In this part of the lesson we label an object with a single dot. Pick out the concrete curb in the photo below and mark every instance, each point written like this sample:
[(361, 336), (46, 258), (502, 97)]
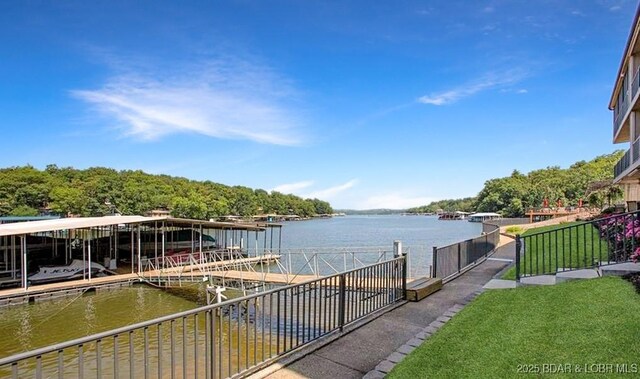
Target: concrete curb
[(385, 366)]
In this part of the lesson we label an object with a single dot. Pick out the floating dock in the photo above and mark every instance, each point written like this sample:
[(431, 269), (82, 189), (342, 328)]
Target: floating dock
[(52, 291), (545, 215), (55, 290)]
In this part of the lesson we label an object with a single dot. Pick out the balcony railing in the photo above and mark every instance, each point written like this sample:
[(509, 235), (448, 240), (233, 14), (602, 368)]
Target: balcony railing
[(622, 164), (622, 108), (618, 116)]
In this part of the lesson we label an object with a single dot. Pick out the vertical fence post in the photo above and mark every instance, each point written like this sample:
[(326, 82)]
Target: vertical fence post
[(341, 301), (212, 338), (404, 277), (397, 248), (434, 262), (397, 253), (459, 258), (486, 244), (518, 249)]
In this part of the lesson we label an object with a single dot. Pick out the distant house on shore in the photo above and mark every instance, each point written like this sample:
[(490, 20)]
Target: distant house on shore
[(159, 213), (625, 104)]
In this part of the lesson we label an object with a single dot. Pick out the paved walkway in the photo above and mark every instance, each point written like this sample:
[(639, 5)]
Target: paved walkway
[(360, 351)]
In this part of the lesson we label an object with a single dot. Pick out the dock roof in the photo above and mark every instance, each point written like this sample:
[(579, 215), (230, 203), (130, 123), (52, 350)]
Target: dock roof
[(51, 225), (209, 224), (28, 227), (485, 214)]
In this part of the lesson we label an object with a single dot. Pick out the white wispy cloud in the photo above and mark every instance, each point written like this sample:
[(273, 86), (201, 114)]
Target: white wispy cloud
[(293, 187), (487, 82), (219, 99), (331, 192)]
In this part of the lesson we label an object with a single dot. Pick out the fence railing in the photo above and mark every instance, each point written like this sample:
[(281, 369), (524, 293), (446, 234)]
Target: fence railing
[(231, 338), (600, 242), (320, 262), (331, 260), (289, 265), (454, 259), (622, 164)]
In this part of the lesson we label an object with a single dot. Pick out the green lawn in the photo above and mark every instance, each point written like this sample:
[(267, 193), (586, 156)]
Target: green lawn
[(560, 246), (577, 323)]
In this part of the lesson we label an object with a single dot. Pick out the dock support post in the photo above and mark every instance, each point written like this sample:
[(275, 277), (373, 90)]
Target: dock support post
[(84, 258), (139, 252), (14, 271), (201, 241), (88, 266), (271, 240), (131, 243), (163, 244), (155, 243), (23, 247)]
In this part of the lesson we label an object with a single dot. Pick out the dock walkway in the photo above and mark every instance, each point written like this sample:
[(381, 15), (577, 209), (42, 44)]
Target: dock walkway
[(50, 290), (250, 276), (236, 262), (41, 291)]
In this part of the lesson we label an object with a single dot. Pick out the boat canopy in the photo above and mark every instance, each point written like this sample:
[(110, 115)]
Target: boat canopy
[(29, 227), (486, 214)]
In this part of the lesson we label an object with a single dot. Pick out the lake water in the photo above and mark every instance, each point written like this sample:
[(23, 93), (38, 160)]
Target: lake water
[(418, 234), (26, 327), (30, 326), (376, 231)]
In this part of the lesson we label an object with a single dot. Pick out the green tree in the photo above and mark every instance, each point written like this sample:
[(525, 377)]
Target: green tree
[(67, 199), (95, 191)]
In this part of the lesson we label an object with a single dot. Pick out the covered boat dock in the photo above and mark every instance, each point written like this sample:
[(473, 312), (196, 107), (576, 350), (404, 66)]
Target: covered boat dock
[(123, 244), (484, 216)]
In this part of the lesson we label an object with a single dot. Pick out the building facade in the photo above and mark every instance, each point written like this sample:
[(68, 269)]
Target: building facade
[(625, 104)]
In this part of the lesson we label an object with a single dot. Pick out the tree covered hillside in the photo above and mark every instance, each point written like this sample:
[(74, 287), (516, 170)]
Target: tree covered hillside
[(24, 191), (515, 194)]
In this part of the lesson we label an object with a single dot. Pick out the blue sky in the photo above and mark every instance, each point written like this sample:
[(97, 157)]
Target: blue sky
[(365, 104)]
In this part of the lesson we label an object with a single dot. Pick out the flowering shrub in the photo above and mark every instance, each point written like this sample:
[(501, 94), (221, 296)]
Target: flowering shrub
[(635, 279), (623, 235)]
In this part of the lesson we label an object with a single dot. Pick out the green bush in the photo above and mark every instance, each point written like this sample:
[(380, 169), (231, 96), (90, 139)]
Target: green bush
[(515, 230)]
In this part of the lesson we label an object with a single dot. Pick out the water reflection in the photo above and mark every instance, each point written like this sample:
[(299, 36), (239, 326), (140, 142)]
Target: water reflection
[(31, 326)]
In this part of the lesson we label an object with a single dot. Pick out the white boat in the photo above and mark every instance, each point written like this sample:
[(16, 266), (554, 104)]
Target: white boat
[(481, 217), (76, 270), (174, 240)]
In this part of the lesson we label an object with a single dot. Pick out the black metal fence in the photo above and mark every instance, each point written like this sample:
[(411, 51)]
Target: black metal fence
[(600, 242), (451, 260), (227, 339)]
